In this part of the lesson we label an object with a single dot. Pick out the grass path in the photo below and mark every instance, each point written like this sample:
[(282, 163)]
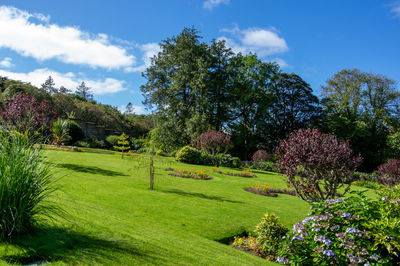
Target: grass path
[(112, 217)]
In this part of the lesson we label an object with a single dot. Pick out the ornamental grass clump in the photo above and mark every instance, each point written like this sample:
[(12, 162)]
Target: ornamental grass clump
[(317, 165), (25, 184)]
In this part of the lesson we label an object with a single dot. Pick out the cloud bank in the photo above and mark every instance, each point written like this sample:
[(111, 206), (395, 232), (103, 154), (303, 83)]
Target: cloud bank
[(32, 35)]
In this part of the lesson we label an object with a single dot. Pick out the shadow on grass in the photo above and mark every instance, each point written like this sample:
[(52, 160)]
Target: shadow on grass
[(90, 169), (241, 232), (51, 244), (200, 195)]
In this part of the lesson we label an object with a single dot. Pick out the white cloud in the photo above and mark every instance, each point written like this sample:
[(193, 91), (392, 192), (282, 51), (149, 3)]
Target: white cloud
[(280, 62), (264, 42), (149, 50), (395, 8), (44, 41), (6, 62), (210, 4), (137, 109), (68, 80)]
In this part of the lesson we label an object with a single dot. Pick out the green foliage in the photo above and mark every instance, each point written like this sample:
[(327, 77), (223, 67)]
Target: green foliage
[(361, 107), (112, 140), (236, 162), (393, 142), (265, 166), (347, 231), (122, 144), (269, 234), (60, 132), (90, 142), (74, 131), (188, 155), (25, 184), (160, 152)]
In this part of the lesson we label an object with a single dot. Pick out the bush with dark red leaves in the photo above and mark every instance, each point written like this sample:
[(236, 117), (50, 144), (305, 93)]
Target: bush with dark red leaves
[(260, 156), (317, 165), (213, 142), (24, 113), (389, 173)]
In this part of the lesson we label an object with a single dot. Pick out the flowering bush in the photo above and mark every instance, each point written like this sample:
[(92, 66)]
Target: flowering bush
[(389, 173), (213, 142), (317, 165), (347, 231), (260, 156)]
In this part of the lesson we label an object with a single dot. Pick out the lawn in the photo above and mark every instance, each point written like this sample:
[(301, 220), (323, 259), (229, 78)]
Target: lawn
[(113, 218)]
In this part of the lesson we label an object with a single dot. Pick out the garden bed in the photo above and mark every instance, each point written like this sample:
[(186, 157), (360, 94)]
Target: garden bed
[(265, 190), (197, 174)]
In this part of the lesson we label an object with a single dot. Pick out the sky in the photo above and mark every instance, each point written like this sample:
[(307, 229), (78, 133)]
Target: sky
[(107, 44)]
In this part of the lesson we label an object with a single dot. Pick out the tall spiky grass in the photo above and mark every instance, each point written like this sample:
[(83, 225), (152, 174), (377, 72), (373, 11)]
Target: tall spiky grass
[(25, 184)]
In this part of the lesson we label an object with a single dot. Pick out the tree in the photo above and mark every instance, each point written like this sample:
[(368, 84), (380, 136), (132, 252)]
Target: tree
[(293, 106), (249, 82), (317, 165), (49, 86), (176, 87), (84, 91), (64, 90), (361, 107), (129, 108), (122, 144)]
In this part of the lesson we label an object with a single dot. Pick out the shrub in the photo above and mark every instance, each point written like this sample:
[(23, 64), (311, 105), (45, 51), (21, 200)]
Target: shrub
[(188, 155), (389, 173), (317, 165), (139, 144), (260, 156), (236, 162), (265, 166), (28, 115), (112, 140), (206, 159), (269, 234), (224, 159), (25, 184), (347, 231), (213, 142), (160, 152), (74, 131)]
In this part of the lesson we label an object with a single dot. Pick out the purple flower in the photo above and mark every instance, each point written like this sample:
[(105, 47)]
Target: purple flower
[(333, 228), (297, 238), (329, 253), (282, 260), (307, 219), (327, 241), (346, 215), (333, 201), (352, 230), (385, 198), (375, 257), (319, 238)]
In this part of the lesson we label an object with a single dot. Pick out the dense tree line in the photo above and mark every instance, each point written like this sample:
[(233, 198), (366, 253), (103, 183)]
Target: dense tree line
[(78, 105), (194, 87)]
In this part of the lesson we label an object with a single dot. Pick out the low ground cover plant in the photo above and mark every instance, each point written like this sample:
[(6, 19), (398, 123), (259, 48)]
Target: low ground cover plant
[(25, 184)]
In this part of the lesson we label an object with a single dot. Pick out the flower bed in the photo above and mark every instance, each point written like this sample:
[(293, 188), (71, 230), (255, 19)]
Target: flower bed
[(244, 173), (268, 191), (196, 174)]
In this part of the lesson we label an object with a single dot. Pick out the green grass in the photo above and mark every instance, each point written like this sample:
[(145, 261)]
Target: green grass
[(113, 218)]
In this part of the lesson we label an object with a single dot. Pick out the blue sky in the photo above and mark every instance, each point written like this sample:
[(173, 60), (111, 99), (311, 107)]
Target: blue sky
[(107, 43)]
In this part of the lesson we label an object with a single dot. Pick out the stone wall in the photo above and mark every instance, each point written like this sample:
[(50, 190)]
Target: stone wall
[(92, 129)]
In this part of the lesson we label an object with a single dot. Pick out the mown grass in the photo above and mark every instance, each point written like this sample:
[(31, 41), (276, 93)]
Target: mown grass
[(113, 218)]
